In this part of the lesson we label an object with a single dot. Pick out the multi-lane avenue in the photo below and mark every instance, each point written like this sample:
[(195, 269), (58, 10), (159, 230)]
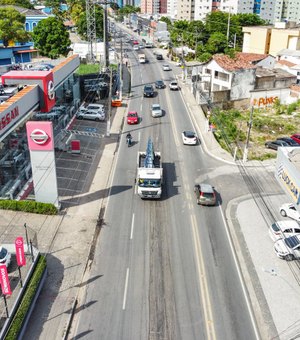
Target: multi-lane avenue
[(165, 268)]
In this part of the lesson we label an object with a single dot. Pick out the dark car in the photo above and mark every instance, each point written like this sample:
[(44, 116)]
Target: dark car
[(289, 140), (148, 91), (296, 137), (159, 84), (159, 56), (275, 144)]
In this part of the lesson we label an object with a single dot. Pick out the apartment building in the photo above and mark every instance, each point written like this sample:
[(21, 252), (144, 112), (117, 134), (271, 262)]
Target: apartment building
[(150, 6), (270, 40)]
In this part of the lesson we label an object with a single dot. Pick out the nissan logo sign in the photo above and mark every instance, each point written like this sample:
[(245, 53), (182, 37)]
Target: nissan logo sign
[(39, 136), (51, 92)]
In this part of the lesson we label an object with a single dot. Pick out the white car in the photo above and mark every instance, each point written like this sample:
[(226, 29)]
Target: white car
[(289, 210), (156, 111), (5, 256), (136, 47), (173, 85), (94, 107), (166, 67), (283, 229), (91, 115), (288, 248), (189, 138)]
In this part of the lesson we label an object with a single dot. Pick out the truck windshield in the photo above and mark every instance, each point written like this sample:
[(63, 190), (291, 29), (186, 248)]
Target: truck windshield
[(149, 183)]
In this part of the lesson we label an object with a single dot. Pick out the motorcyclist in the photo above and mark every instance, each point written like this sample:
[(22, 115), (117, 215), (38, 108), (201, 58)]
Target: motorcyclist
[(128, 138)]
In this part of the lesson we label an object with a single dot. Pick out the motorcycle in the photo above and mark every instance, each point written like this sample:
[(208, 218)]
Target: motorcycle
[(129, 141)]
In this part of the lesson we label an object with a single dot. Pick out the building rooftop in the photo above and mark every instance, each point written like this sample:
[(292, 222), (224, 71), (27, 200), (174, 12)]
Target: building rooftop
[(289, 52), (26, 11), (275, 72), (241, 60), (285, 63)]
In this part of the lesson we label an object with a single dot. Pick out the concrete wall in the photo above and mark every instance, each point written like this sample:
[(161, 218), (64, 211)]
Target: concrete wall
[(284, 38), (256, 39), (243, 82)]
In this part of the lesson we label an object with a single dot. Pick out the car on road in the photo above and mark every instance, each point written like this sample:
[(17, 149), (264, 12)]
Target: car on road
[(156, 111), (189, 138), (159, 84), (275, 144), (159, 56), (173, 85), (283, 229), (132, 117), (148, 45), (289, 210), (135, 42), (136, 47), (289, 140), (5, 256), (288, 248), (205, 194), (296, 137), (148, 91), (166, 67)]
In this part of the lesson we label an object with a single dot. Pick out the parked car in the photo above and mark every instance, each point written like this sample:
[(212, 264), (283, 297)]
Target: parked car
[(156, 111), (283, 229), (275, 144), (148, 91), (289, 210), (205, 194), (5, 256), (289, 140), (174, 85), (288, 248), (92, 107), (91, 115), (166, 67), (189, 138), (132, 117), (159, 84), (296, 137)]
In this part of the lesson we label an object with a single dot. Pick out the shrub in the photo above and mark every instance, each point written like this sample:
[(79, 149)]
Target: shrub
[(28, 296), (29, 206)]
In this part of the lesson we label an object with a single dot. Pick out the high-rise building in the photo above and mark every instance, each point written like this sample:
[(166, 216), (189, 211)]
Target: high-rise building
[(150, 6), (186, 10)]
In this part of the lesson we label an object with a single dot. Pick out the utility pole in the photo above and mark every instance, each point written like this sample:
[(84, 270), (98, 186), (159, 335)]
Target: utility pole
[(228, 24), (105, 37), (245, 156), (109, 104), (121, 71), (91, 29)]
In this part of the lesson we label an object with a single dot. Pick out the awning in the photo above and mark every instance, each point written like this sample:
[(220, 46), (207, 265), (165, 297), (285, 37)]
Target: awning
[(24, 51)]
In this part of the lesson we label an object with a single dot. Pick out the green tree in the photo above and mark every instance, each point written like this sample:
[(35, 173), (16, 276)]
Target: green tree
[(82, 25), (21, 3), (12, 25), (167, 21), (51, 38), (216, 43)]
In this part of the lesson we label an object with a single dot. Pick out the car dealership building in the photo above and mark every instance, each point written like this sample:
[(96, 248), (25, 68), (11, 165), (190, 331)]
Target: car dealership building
[(48, 100)]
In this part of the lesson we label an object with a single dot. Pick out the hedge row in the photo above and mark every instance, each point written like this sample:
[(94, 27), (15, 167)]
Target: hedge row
[(29, 206), (28, 297)]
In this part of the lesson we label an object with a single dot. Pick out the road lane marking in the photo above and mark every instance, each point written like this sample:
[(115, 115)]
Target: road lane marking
[(125, 289), (204, 291), (132, 226), (240, 275)]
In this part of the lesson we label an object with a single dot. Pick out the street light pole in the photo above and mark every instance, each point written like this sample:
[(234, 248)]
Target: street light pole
[(109, 105), (105, 40), (245, 156), (121, 71)]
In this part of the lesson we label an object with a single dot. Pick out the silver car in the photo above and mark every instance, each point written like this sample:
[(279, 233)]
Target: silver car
[(91, 115), (156, 111)]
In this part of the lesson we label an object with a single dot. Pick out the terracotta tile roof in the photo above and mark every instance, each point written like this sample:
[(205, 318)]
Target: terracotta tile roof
[(241, 61), (295, 87), (286, 63)]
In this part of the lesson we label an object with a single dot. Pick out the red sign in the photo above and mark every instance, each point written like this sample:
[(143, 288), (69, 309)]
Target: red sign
[(10, 116), (20, 255), (4, 280)]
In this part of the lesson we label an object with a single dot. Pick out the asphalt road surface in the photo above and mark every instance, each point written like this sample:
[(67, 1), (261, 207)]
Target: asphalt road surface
[(165, 269)]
